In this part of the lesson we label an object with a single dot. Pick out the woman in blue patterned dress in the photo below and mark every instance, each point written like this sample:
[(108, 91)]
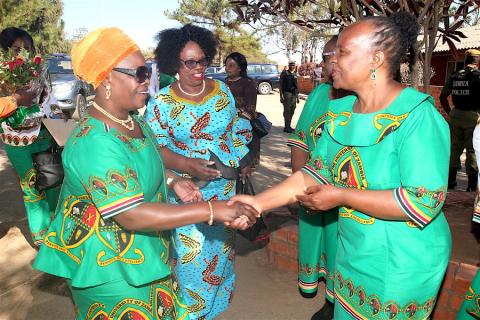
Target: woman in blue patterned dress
[(195, 121)]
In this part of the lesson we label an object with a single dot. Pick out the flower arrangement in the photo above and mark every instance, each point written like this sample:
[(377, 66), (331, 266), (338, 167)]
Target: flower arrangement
[(27, 72), (17, 70)]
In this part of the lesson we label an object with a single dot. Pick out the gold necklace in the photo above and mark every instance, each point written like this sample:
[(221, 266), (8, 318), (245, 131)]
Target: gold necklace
[(129, 123), (192, 94)]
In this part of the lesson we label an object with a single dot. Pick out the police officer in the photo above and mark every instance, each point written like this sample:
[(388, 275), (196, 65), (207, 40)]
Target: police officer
[(289, 94), (464, 86)]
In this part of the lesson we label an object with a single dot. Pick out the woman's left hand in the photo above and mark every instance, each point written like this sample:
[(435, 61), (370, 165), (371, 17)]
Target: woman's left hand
[(186, 190), (321, 197)]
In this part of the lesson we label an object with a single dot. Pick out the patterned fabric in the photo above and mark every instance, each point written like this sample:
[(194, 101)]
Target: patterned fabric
[(317, 237), (118, 300), (470, 308), (388, 269), (84, 244), (39, 206), (204, 256), (27, 136)]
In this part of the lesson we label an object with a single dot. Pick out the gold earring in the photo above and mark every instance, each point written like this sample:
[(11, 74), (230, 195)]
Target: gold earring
[(108, 92)]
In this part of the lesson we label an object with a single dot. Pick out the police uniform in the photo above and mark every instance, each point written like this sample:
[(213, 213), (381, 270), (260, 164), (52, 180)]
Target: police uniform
[(464, 86), (289, 89)]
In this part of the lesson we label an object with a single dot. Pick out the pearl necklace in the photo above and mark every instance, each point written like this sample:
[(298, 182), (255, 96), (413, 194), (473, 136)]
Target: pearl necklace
[(192, 94), (129, 123)]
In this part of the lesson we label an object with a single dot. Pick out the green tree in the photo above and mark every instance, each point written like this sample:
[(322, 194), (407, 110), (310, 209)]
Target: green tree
[(218, 16), (438, 19), (41, 18)]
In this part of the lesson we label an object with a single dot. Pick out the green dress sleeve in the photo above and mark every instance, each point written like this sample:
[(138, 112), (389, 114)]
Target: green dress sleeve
[(299, 138), (317, 167), (423, 145), (107, 175)]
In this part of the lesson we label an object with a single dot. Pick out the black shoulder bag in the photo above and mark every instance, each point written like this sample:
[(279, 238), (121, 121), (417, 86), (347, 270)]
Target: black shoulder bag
[(252, 233), (48, 165)]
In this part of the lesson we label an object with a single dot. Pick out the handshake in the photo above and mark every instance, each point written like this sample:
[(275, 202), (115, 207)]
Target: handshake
[(239, 212)]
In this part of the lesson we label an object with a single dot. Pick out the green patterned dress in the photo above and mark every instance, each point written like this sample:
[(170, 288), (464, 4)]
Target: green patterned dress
[(388, 269), (113, 273), (317, 236), (470, 308)]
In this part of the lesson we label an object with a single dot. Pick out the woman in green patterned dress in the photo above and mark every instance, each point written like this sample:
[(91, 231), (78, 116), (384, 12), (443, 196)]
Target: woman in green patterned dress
[(110, 236), (470, 308), (383, 160), (317, 233)]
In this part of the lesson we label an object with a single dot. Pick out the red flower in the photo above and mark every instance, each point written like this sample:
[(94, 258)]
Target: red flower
[(19, 61), (37, 60), (11, 65)]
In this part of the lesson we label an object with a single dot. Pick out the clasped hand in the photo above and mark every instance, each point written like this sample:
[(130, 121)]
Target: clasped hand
[(321, 197), (236, 215)]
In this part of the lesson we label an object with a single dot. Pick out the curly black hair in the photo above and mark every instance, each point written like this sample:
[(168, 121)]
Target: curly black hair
[(395, 35), (172, 41), (9, 35)]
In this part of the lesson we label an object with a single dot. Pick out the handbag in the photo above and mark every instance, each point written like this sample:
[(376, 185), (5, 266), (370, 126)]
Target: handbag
[(48, 165), (253, 233), (261, 126)]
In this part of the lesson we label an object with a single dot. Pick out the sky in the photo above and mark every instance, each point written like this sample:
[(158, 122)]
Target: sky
[(140, 19)]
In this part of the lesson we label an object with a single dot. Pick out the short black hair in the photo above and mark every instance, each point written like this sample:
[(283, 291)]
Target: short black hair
[(241, 61), (395, 35), (471, 59), (172, 41), (9, 35)]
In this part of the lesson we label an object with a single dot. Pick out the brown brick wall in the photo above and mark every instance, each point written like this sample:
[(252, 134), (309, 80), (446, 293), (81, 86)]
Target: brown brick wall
[(282, 254)]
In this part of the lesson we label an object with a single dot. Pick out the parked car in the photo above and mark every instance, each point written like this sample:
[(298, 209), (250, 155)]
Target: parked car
[(211, 70), (72, 94), (266, 76)]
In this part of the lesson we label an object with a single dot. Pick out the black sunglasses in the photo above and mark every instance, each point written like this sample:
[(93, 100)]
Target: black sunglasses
[(192, 64), (141, 74)]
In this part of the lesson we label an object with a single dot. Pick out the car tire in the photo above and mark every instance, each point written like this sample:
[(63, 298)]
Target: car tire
[(264, 88), (82, 107)]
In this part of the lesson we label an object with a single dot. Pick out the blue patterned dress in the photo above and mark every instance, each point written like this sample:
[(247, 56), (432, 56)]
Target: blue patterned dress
[(203, 254)]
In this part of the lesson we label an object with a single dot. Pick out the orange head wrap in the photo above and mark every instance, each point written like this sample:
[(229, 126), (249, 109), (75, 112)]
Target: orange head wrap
[(94, 57)]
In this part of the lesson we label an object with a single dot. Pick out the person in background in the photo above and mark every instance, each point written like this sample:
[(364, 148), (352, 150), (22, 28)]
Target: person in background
[(197, 127), (159, 80), (383, 161), (317, 236), (289, 94), (21, 144), (110, 236), (317, 74), (464, 86), (244, 91)]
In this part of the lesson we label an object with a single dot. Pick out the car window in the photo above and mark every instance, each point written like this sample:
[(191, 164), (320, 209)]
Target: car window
[(60, 66), (268, 68), (254, 68)]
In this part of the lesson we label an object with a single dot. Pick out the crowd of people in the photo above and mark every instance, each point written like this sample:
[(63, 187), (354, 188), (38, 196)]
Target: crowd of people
[(145, 219)]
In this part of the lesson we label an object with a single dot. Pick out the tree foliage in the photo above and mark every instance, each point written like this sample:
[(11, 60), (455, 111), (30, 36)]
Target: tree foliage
[(40, 18), (439, 19), (219, 17)]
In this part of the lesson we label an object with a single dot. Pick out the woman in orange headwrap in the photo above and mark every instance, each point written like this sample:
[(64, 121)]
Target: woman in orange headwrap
[(110, 236)]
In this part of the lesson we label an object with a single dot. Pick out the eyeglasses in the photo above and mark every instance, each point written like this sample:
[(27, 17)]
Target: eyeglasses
[(327, 55), (141, 74), (192, 64)]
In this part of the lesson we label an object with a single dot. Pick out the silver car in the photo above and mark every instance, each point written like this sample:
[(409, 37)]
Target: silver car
[(72, 94)]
